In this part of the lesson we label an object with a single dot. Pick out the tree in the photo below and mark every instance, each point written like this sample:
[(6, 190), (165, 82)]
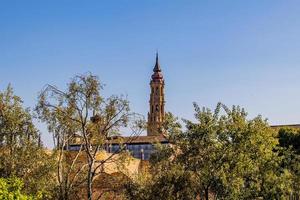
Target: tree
[(21, 152), (289, 141), (172, 183), (289, 137), (10, 189), (222, 154), (82, 112), (165, 180)]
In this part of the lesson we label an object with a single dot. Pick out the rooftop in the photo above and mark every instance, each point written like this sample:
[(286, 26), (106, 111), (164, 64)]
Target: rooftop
[(138, 139)]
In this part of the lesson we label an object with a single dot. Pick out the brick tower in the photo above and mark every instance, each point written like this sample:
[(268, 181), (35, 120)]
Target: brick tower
[(156, 115)]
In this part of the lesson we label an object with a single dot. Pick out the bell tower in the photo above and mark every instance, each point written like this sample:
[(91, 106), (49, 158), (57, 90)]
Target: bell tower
[(156, 115)]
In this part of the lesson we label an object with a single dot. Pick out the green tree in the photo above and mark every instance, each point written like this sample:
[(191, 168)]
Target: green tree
[(221, 154), (21, 151), (82, 112), (11, 189), (289, 137), (289, 140)]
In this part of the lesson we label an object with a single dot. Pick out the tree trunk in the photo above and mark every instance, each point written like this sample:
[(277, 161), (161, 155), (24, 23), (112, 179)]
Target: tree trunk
[(206, 193), (90, 181)]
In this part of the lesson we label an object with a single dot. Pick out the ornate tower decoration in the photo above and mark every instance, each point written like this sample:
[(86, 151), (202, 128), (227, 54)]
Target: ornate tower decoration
[(156, 115)]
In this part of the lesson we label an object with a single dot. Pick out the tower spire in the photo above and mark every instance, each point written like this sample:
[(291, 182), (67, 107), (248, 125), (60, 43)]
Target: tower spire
[(156, 115), (157, 75), (157, 66)]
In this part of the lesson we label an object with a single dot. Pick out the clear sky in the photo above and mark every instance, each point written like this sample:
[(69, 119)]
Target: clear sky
[(238, 52)]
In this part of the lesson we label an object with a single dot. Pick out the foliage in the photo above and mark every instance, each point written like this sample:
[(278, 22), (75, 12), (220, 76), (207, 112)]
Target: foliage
[(83, 115), (289, 137), (223, 154), (21, 153), (10, 189), (16, 125), (173, 184), (289, 140)]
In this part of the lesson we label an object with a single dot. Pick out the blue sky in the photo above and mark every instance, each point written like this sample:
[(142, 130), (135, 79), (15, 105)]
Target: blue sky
[(237, 52)]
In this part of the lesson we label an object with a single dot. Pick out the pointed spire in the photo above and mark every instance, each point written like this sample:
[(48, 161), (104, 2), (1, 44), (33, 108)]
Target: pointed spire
[(157, 66), (157, 75)]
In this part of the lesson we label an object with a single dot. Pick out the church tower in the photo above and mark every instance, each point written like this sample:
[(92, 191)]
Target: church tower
[(156, 115)]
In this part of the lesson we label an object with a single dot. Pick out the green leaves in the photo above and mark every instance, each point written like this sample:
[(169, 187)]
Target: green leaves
[(16, 127), (223, 154), (82, 114), (289, 137), (21, 153), (289, 141), (10, 189)]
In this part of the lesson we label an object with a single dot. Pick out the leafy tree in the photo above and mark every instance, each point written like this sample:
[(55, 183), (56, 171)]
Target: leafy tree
[(167, 180), (10, 189), (81, 113), (289, 140), (171, 184), (221, 154), (289, 137), (21, 152)]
